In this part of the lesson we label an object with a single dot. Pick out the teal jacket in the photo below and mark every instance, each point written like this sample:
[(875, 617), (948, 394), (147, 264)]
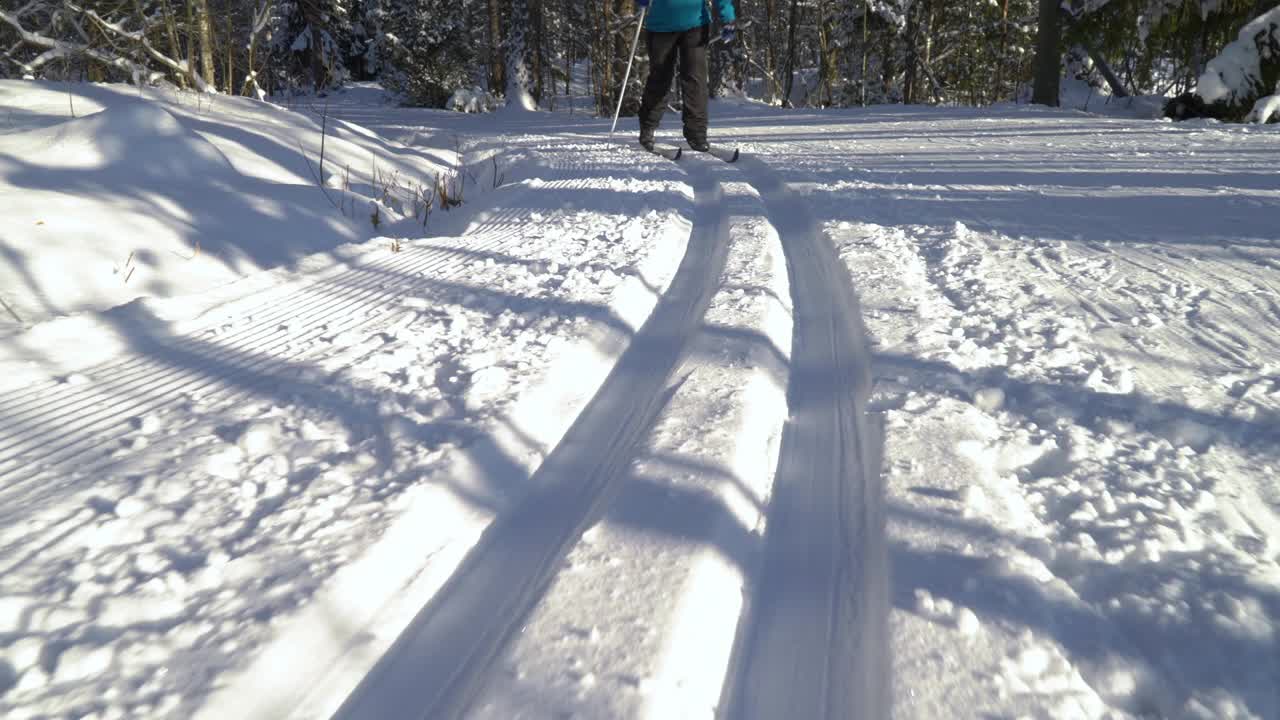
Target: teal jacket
[(680, 15)]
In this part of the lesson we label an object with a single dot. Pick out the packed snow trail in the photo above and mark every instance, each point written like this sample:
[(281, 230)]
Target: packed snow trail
[(1074, 330), (182, 509), (442, 658), (815, 638), (641, 618)]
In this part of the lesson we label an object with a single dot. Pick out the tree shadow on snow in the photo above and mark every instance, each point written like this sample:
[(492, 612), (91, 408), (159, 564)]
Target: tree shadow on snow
[(1174, 660)]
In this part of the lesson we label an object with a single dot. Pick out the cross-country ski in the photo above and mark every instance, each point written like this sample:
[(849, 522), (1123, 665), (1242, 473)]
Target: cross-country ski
[(729, 155), (667, 151), (686, 360)]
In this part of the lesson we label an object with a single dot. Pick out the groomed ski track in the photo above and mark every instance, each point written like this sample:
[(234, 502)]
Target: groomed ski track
[(814, 641), (812, 638), (485, 602), (236, 503)]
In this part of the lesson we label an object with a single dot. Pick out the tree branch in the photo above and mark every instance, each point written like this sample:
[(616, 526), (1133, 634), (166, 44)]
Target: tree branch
[(55, 48)]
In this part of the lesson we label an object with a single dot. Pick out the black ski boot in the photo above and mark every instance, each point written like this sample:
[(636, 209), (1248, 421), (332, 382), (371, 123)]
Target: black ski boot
[(646, 138), (699, 144)]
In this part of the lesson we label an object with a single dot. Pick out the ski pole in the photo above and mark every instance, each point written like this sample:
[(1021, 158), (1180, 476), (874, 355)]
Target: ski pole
[(627, 76)]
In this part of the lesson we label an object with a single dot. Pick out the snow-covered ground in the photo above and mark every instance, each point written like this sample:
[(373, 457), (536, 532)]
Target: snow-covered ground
[(601, 441), (1076, 328)]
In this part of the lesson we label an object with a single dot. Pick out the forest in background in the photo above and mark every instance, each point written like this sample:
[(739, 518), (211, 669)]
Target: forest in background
[(788, 52)]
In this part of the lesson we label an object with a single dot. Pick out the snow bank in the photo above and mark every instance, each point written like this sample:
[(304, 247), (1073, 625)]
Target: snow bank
[(1246, 69), (128, 202), (158, 194)]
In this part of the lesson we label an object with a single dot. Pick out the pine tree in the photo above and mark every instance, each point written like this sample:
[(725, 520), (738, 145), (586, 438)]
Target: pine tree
[(430, 50)]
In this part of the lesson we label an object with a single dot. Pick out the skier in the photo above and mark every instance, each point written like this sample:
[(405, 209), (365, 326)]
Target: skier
[(680, 27)]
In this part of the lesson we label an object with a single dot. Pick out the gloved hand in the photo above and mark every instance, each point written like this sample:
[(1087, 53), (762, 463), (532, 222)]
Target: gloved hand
[(728, 32), (642, 3)]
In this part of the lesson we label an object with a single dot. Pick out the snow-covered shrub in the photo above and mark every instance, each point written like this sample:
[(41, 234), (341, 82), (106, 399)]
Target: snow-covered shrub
[(1239, 82), (473, 100)]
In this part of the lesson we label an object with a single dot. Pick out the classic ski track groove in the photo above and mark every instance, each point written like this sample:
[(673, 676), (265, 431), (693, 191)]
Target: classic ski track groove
[(721, 392), (58, 423), (508, 571), (813, 641)]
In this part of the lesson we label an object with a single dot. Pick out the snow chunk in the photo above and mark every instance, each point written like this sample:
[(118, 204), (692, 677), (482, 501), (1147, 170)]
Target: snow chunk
[(1032, 661), (81, 662), (136, 609), (937, 609), (989, 399), (975, 501), (13, 611), (33, 679), (130, 507), (25, 653), (1042, 670), (1216, 705), (967, 622), (259, 438), (225, 463), (924, 602), (486, 385)]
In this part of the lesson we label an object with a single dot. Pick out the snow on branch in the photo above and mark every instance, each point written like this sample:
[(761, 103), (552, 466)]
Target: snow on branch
[(1237, 72), (57, 48), (140, 37), (1247, 72), (1241, 84)]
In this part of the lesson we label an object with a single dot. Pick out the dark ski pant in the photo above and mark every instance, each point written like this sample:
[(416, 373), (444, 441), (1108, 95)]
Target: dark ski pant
[(691, 47)]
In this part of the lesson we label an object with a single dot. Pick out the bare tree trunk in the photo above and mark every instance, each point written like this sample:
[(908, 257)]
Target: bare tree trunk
[(317, 58), (866, 48), (571, 49), (171, 30), (497, 59), (1004, 44), (231, 59), (888, 65), (826, 54), (606, 56), (912, 61), (935, 90), (621, 46), (793, 23), (595, 52), (771, 49), (537, 44), (205, 30), (1048, 59), (191, 43)]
